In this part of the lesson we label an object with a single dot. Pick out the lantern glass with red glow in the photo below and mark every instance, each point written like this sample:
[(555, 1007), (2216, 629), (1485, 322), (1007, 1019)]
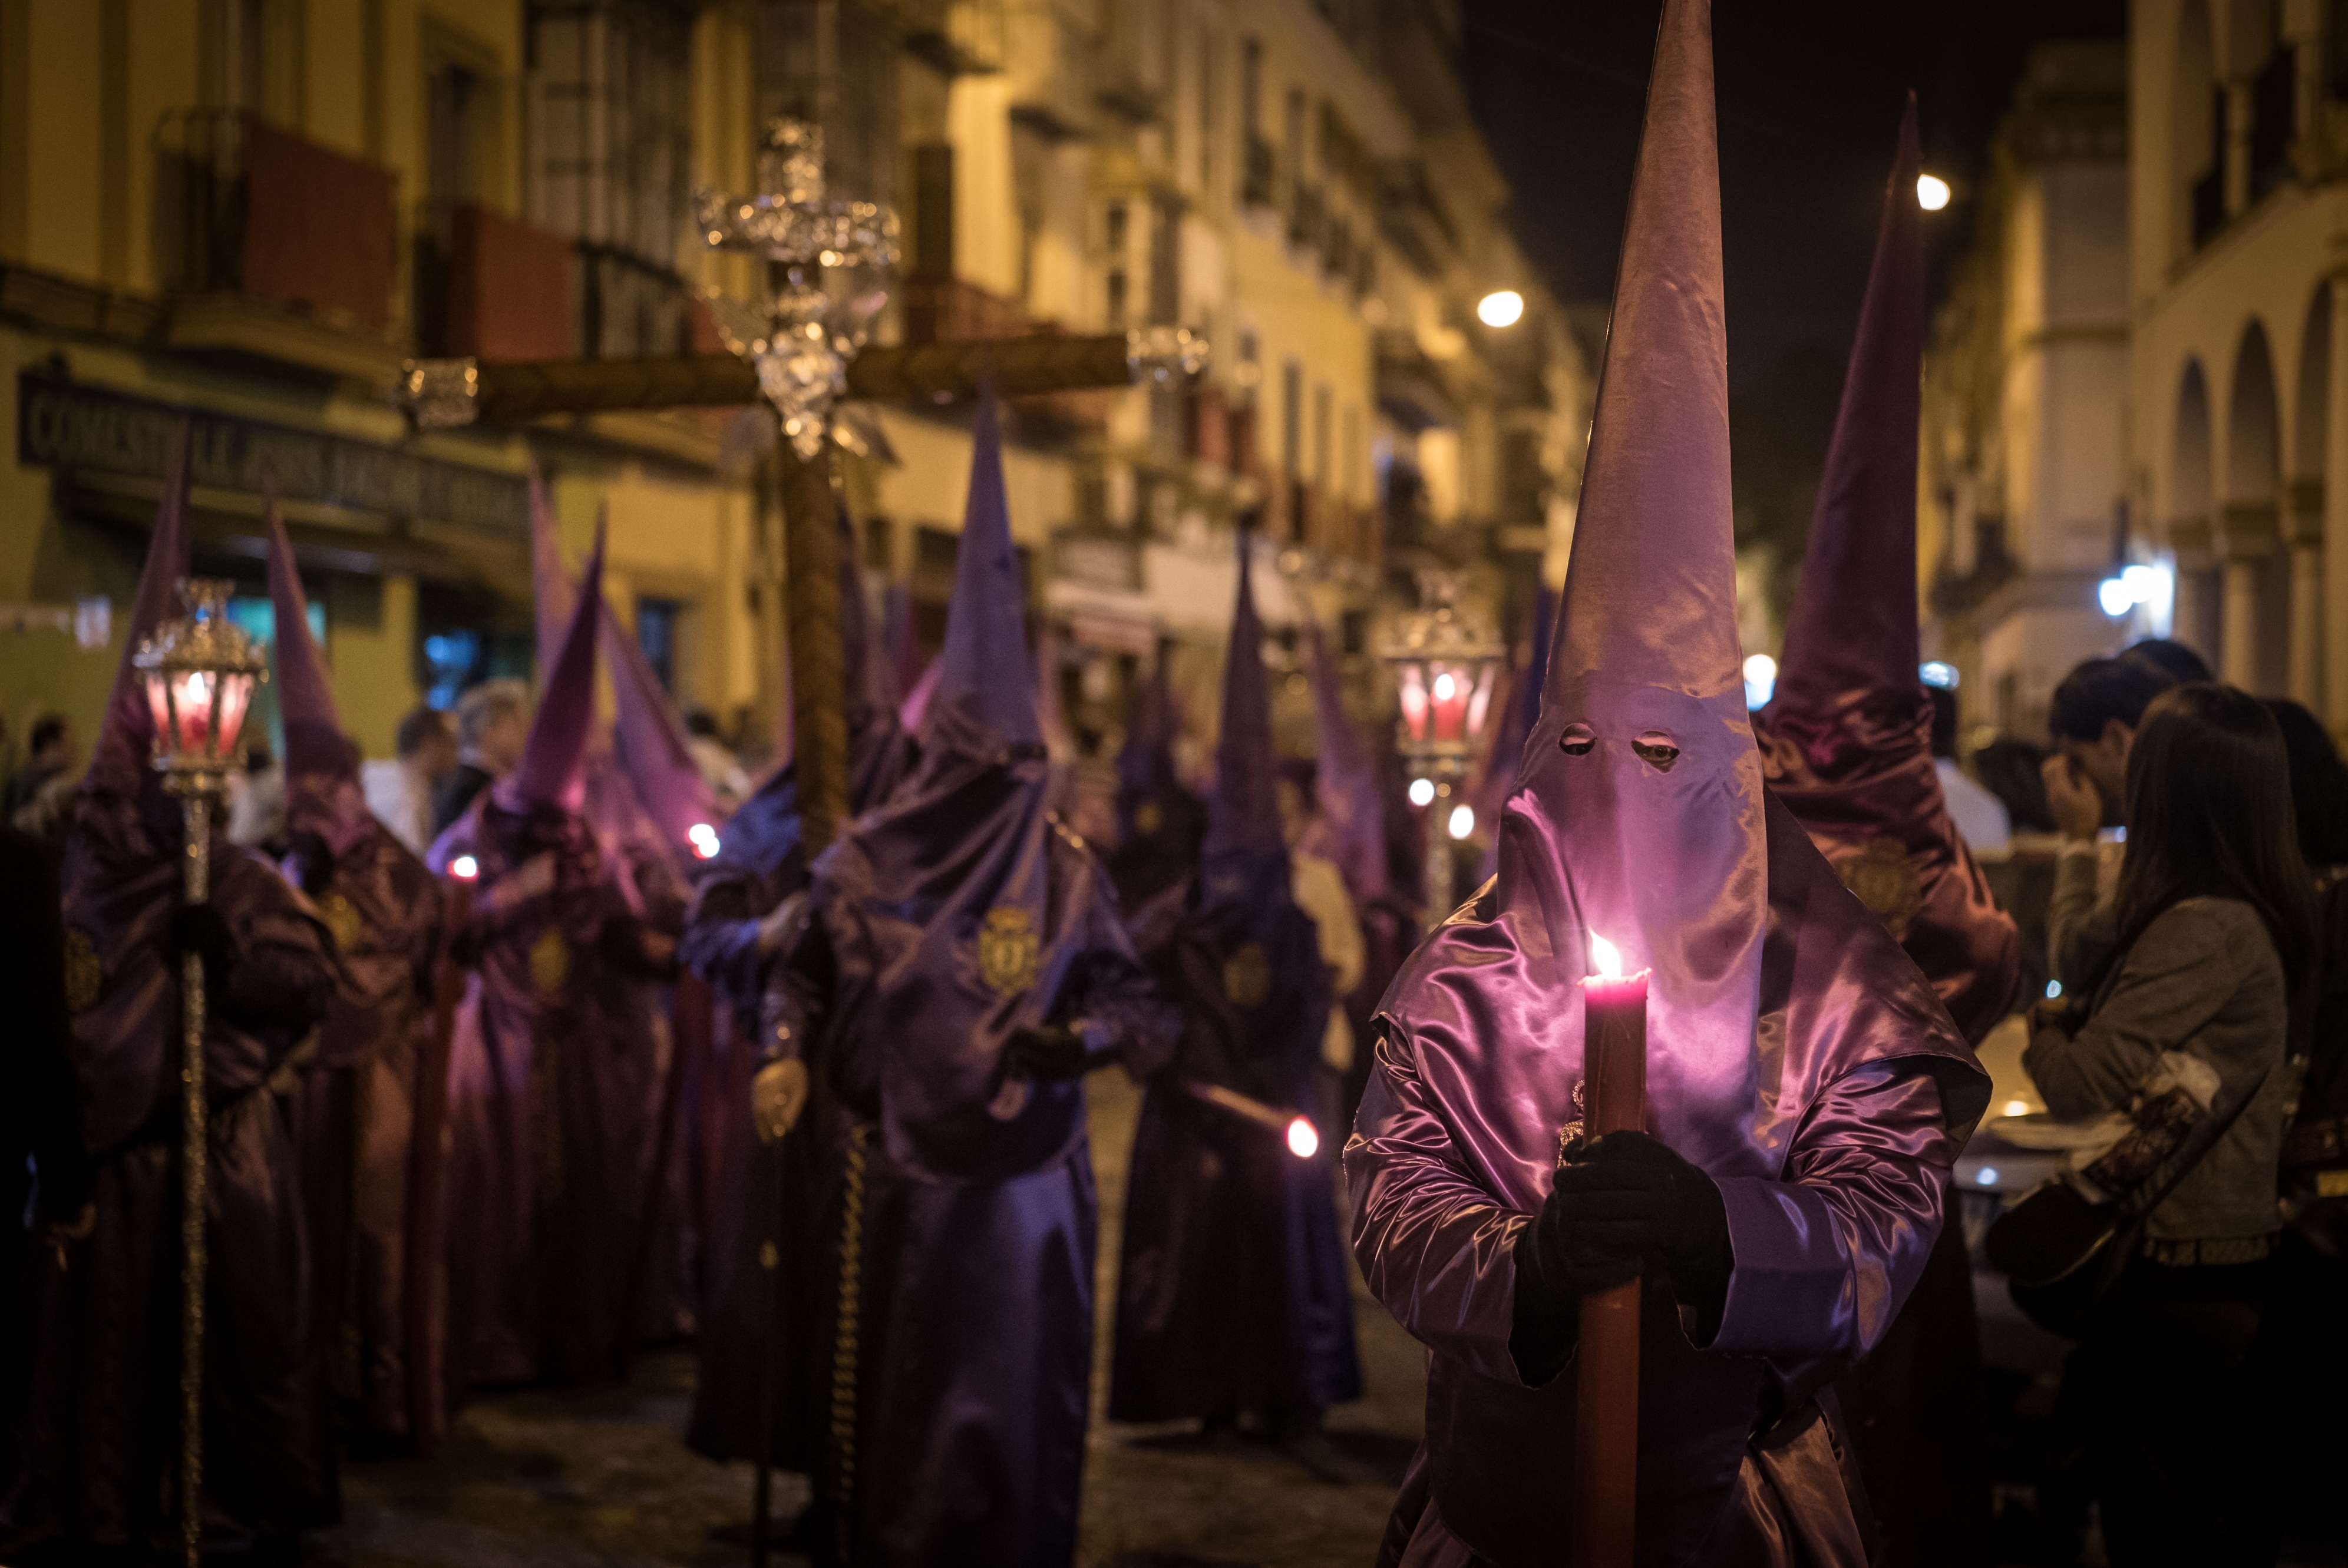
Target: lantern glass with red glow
[(198, 671), (1444, 673)]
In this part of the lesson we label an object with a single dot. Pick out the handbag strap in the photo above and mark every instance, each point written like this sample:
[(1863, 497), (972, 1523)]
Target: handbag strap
[(2205, 1137)]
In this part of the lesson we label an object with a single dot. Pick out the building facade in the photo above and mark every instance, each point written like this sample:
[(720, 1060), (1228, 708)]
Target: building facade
[(249, 213), (2022, 469), (2238, 449)]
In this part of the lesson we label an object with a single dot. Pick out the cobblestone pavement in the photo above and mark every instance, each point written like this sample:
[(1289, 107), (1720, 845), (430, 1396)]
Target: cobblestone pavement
[(601, 1478)]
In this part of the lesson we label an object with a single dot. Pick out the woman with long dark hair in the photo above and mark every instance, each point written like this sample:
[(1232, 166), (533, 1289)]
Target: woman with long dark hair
[(2184, 1035)]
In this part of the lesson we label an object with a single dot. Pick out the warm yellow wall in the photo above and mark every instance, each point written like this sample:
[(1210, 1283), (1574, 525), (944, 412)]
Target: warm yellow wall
[(371, 657)]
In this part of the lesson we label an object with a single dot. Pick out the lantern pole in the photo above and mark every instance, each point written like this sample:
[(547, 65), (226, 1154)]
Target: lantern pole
[(199, 672), (1443, 671)]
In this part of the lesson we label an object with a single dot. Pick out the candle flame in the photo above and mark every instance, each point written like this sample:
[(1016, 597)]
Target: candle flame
[(1303, 1140), (464, 868), (1608, 958)]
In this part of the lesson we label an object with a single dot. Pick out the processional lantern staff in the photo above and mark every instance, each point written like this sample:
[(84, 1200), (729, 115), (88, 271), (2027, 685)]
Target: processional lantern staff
[(1444, 670), (199, 672)]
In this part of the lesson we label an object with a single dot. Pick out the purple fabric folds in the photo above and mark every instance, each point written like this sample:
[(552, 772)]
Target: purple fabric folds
[(1232, 1291), (355, 1098), (1794, 1053), (1345, 780), (1846, 740)]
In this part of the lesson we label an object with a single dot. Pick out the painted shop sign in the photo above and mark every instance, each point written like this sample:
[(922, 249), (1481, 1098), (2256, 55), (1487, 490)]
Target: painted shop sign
[(72, 425)]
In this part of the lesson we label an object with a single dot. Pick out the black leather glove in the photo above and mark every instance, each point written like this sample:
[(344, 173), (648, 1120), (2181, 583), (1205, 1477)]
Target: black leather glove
[(1633, 1198), (203, 930), (313, 861), (1052, 1054)]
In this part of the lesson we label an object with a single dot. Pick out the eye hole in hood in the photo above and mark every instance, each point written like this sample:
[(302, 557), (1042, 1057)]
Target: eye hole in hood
[(1577, 740), (1655, 748)]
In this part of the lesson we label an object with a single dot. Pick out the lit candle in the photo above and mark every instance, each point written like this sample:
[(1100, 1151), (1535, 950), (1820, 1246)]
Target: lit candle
[(1606, 1402)]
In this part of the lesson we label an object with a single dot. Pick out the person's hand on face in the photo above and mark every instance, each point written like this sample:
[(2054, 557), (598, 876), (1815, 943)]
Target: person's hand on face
[(2073, 799)]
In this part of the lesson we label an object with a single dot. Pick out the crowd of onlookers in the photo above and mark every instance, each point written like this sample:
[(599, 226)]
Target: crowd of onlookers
[(2176, 860)]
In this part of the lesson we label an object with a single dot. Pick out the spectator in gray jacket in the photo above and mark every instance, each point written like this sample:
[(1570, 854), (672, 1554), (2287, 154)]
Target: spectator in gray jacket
[(2214, 929)]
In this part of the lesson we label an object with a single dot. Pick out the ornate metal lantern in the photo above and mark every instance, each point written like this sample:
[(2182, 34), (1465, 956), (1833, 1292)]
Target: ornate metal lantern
[(1443, 671), (198, 671)]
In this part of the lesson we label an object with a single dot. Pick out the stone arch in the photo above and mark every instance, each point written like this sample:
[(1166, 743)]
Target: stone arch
[(2192, 511), (2254, 639)]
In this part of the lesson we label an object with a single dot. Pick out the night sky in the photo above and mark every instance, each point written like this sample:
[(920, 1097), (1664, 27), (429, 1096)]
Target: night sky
[(1809, 103)]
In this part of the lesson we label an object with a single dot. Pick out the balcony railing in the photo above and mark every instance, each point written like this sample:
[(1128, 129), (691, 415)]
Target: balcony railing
[(253, 211), (492, 286)]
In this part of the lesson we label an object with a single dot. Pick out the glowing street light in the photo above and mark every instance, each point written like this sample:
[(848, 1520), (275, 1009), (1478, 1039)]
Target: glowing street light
[(1932, 192), (1501, 308)]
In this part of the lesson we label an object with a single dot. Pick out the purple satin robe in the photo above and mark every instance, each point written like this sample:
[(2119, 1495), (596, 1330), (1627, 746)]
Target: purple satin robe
[(92, 1459), (555, 1066), (352, 1113), (936, 926), (1232, 1290), (759, 864), (1861, 782), (1830, 1147)]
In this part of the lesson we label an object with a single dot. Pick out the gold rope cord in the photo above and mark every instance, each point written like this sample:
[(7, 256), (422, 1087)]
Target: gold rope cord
[(844, 1339)]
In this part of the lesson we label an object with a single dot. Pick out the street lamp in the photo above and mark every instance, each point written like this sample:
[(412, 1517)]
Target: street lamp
[(1932, 192), (1501, 308), (1443, 671), (199, 672)]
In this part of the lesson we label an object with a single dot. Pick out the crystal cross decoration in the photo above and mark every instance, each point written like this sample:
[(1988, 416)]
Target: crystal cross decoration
[(833, 259)]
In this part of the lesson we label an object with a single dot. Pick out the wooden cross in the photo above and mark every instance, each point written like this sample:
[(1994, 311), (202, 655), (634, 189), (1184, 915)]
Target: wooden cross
[(800, 352)]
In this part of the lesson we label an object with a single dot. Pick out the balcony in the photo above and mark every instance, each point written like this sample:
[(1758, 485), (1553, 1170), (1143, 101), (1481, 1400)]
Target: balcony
[(1258, 175), (950, 310), (495, 288), (275, 247), (1413, 217), (960, 37)]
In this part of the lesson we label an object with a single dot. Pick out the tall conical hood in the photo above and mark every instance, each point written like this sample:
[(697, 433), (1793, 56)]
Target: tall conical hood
[(121, 762), (552, 769), (1049, 716), (1854, 623), (1637, 814), (322, 777), (1145, 764), (1244, 816), (552, 598), (902, 654), (315, 743), (985, 700), (651, 741), (1346, 778)]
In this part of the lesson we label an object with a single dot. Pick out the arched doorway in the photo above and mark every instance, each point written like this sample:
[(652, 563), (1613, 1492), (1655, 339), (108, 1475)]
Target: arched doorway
[(2192, 494), (2254, 644)]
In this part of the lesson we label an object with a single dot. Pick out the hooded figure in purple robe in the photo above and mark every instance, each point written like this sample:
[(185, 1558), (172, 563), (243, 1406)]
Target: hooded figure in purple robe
[(1806, 1093), (1357, 824), (1231, 1292), (556, 1051), (760, 866), (93, 1461), (356, 1096), (960, 967), (1846, 743), (1159, 825)]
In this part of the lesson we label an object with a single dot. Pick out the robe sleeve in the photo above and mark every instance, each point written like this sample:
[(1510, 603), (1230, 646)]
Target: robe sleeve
[(1130, 1024), (1432, 1243), (1827, 1255), (284, 977), (721, 936)]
